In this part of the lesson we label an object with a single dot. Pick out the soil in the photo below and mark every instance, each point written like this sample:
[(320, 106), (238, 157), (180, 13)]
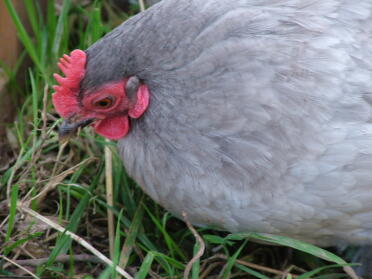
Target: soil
[(6, 116)]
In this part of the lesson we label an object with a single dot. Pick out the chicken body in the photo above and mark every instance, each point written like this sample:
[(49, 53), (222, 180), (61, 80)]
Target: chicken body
[(260, 113)]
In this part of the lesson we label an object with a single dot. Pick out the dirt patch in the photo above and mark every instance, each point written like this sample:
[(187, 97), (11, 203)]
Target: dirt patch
[(7, 110)]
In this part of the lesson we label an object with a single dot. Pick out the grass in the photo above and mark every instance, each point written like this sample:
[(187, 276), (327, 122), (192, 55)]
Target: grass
[(53, 193)]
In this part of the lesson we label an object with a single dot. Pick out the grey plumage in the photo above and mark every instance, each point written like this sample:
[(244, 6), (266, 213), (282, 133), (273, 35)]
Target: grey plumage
[(260, 113)]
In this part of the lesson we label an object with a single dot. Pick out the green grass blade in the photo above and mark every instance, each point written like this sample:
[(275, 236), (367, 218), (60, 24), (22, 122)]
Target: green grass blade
[(172, 246), (251, 271), (22, 160), (161, 258), (12, 211), (132, 235), (51, 23), (195, 271), (289, 242), (64, 242), (97, 26), (11, 72), (231, 262), (24, 37), (149, 246), (61, 23), (145, 266), (106, 274), (317, 270), (332, 276), (35, 106), (18, 243), (32, 16), (116, 255)]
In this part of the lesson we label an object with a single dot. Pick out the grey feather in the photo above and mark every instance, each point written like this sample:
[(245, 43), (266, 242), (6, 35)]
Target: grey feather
[(260, 113)]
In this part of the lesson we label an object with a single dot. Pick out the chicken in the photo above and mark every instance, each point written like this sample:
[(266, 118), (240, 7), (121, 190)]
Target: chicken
[(247, 115)]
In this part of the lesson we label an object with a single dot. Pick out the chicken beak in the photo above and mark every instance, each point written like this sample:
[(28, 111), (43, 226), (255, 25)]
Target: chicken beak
[(69, 129)]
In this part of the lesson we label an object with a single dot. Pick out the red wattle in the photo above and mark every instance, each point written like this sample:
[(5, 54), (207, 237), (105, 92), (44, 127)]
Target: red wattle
[(142, 102), (113, 128)]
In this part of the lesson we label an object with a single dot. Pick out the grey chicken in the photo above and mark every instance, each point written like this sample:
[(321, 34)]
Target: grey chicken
[(247, 115)]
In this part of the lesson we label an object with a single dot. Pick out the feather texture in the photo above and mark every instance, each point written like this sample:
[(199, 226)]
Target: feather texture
[(260, 113)]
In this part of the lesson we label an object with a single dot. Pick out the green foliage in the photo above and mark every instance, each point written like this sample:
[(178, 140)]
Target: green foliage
[(290, 242)]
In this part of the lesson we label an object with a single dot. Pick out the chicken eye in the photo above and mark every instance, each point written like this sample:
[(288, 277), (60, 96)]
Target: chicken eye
[(104, 103)]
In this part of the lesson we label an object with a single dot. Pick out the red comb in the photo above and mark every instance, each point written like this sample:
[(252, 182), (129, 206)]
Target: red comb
[(65, 98)]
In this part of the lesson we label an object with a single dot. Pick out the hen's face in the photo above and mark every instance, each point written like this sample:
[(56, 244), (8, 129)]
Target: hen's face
[(107, 108)]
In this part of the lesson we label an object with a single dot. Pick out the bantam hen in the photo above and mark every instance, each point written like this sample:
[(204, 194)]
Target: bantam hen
[(249, 115)]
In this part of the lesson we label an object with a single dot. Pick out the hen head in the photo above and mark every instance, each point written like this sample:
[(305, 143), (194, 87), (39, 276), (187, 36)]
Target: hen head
[(107, 107)]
